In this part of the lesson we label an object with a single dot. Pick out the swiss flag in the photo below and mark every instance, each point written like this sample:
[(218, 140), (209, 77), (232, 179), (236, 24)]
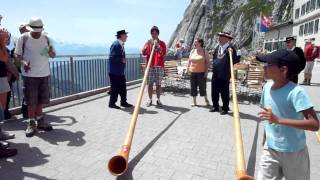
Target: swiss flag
[(265, 24)]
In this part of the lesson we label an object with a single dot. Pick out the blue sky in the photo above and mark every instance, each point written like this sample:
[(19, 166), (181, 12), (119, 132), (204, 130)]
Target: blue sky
[(96, 21)]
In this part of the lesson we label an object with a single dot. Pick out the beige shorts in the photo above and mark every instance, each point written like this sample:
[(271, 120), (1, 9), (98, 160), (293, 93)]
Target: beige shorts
[(309, 67), (291, 166)]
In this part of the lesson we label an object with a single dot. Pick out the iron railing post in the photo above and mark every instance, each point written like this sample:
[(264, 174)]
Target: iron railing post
[(72, 74)]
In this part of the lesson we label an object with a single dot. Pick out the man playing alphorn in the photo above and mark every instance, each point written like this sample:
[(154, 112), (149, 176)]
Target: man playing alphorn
[(156, 72)]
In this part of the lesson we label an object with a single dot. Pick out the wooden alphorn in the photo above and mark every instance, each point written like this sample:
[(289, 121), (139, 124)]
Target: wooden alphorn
[(318, 135), (241, 164), (118, 164)]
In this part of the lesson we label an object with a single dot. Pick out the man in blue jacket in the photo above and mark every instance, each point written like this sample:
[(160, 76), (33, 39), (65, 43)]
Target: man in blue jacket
[(116, 69)]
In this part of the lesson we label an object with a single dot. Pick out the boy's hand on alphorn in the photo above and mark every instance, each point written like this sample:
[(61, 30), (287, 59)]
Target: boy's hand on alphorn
[(268, 115)]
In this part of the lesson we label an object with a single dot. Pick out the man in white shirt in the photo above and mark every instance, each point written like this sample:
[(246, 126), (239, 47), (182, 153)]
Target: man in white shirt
[(33, 50)]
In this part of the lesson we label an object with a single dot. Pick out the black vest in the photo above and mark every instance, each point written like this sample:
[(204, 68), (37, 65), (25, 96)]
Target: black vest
[(221, 64)]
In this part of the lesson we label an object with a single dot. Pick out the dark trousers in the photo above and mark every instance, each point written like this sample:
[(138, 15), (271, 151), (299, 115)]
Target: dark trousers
[(7, 114), (118, 87), (198, 80), (219, 86)]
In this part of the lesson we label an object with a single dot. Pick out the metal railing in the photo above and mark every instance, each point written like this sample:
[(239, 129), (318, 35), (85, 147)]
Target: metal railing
[(79, 73)]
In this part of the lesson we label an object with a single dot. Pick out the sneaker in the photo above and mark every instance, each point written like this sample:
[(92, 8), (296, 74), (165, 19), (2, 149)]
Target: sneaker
[(304, 82), (44, 125), (149, 103), (31, 128), (5, 136), (159, 102), (4, 145), (7, 152)]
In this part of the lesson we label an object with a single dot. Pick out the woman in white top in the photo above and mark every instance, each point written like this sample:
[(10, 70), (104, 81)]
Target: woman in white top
[(198, 70)]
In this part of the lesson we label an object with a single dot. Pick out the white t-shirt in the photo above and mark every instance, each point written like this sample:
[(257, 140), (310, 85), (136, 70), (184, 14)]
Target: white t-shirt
[(35, 52)]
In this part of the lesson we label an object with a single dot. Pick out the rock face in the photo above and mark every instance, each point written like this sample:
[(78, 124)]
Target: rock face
[(204, 18)]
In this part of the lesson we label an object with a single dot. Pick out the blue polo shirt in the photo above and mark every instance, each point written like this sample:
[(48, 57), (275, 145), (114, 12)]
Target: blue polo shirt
[(287, 102)]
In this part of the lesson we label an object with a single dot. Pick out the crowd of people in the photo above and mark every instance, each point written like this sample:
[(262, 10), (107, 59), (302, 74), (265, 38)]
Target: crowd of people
[(285, 104), (285, 152)]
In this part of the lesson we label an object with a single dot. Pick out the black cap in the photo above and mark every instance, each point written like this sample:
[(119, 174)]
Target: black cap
[(291, 38), (282, 57), (119, 33), (225, 34)]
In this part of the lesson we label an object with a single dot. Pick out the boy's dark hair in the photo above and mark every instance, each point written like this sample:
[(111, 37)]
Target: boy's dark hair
[(155, 28), (290, 74)]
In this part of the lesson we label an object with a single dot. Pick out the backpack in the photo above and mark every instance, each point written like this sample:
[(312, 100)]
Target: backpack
[(25, 38)]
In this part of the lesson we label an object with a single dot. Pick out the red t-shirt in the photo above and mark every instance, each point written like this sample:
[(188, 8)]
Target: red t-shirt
[(311, 52), (158, 55)]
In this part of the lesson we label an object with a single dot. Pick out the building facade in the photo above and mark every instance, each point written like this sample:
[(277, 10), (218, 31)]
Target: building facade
[(304, 25), (275, 37), (306, 15)]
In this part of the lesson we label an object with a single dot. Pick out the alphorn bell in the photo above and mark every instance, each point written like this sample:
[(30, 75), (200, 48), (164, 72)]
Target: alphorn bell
[(241, 164), (118, 164)]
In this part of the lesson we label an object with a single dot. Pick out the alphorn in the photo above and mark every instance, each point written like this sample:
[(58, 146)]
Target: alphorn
[(241, 164), (318, 135), (118, 164)]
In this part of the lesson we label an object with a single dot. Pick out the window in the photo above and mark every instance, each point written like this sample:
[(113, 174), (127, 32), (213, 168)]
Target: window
[(311, 27), (316, 26), (313, 5), (301, 30), (268, 46), (282, 45), (275, 45), (303, 9), (298, 13), (318, 3), (308, 7), (306, 26)]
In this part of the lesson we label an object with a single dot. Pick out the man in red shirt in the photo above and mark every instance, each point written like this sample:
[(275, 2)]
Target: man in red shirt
[(156, 72), (311, 52)]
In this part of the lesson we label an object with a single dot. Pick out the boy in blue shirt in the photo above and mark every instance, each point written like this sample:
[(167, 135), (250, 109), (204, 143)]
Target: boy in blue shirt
[(289, 111)]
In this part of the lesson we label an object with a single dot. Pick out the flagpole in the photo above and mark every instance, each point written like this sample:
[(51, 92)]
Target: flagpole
[(259, 34)]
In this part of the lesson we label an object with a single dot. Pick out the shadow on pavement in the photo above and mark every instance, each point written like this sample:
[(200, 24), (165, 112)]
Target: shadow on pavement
[(55, 136), (250, 117), (132, 164), (251, 166), (14, 168), (173, 109), (62, 135), (142, 111)]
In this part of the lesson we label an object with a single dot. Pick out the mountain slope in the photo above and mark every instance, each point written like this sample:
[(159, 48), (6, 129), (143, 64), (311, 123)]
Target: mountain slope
[(204, 18)]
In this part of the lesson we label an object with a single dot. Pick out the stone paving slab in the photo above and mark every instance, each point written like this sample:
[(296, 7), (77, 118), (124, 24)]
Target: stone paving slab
[(175, 142)]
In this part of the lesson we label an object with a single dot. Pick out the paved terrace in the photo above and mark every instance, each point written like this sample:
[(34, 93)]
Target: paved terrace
[(175, 142)]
